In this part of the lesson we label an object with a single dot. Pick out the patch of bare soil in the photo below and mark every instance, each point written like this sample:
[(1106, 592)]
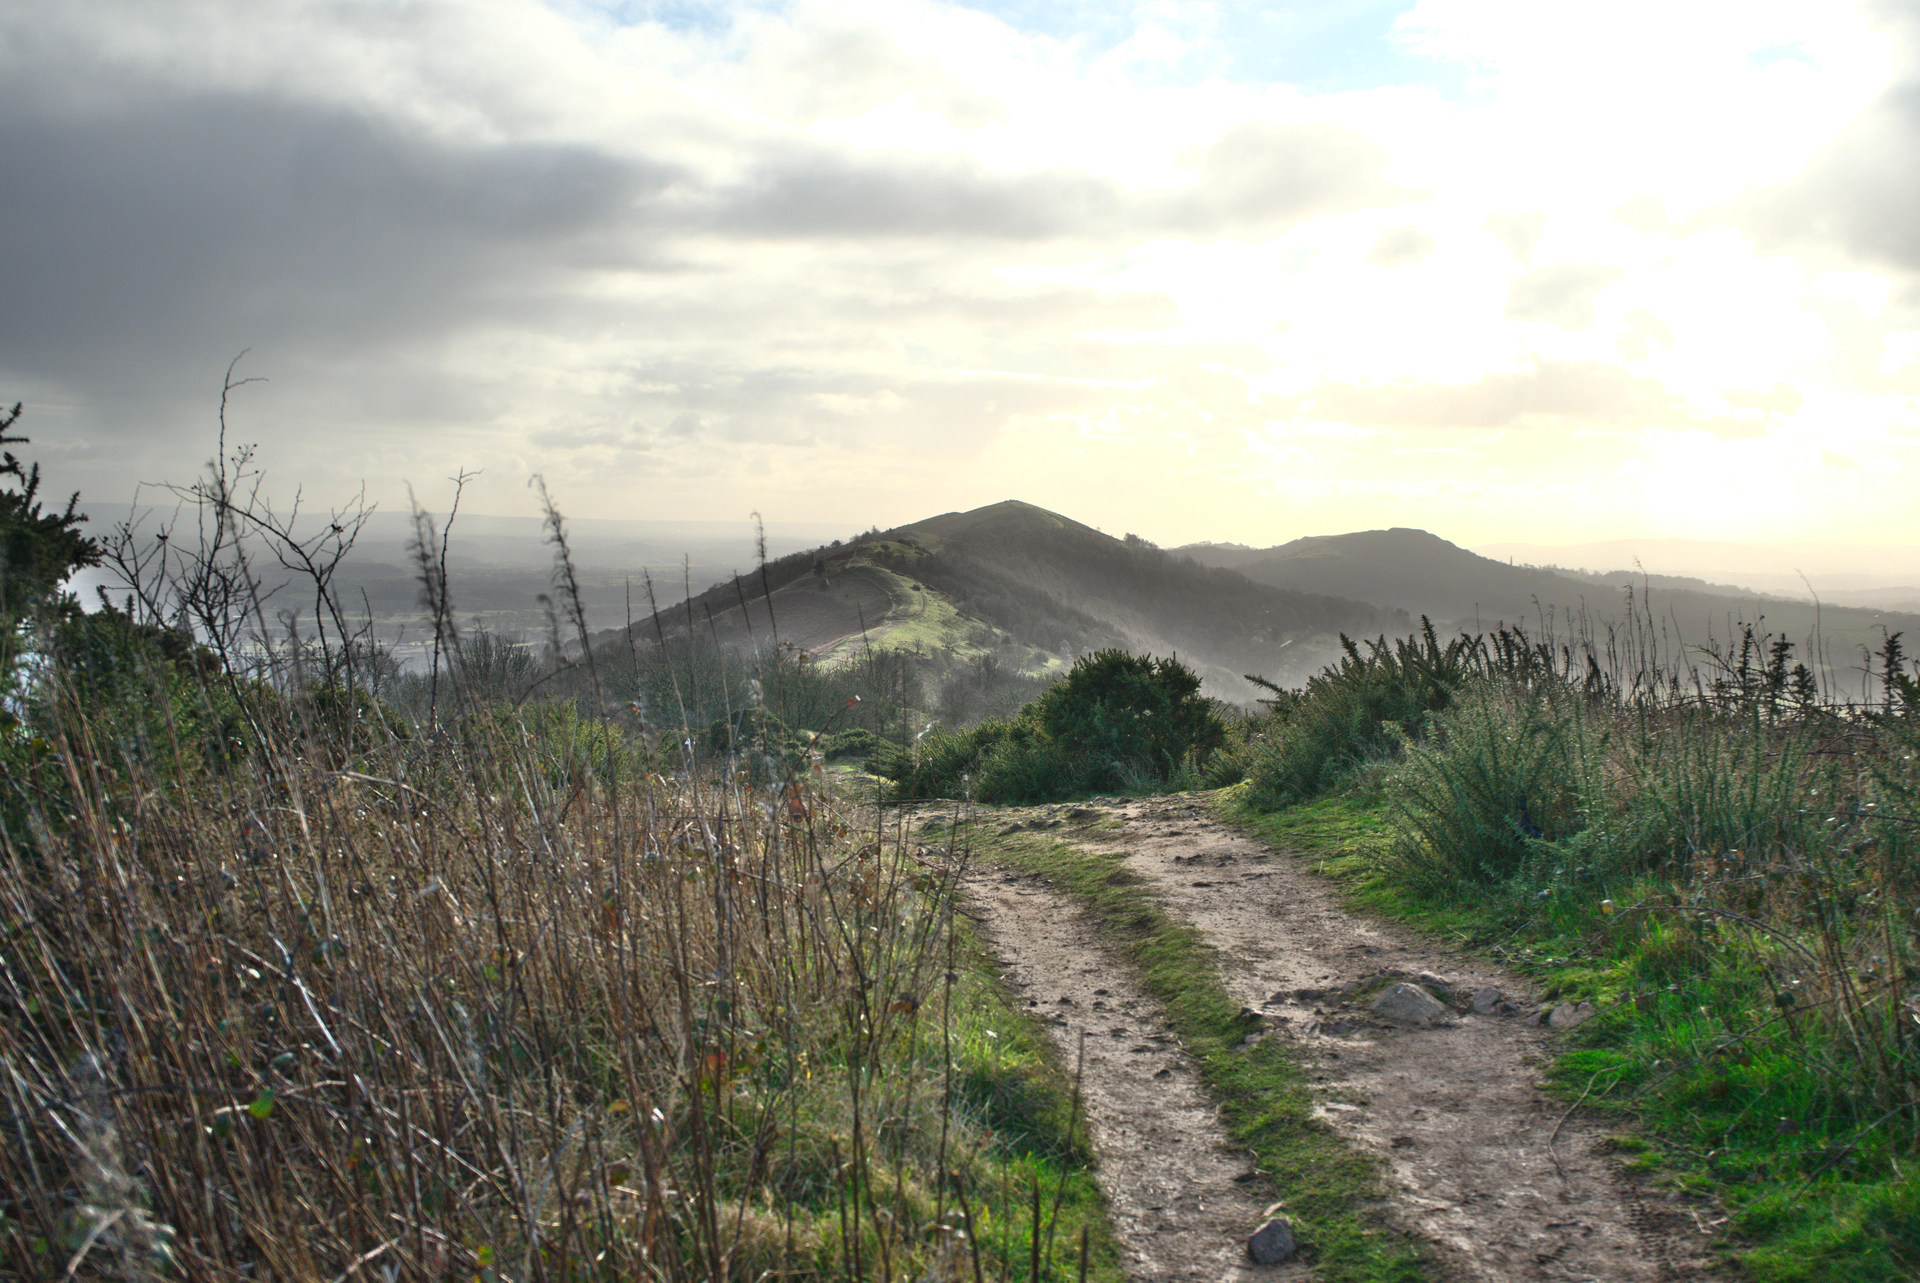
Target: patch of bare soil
[(1504, 1181), (1165, 1164)]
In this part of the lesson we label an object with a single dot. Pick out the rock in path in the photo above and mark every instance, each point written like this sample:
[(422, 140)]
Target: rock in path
[(1406, 1004), (1273, 1243)]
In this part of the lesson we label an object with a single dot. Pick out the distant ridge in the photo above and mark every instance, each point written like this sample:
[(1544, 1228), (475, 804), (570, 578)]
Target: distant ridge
[(1422, 574)]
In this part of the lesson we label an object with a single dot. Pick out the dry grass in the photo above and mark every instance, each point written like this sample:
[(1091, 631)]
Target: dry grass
[(455, 1013)]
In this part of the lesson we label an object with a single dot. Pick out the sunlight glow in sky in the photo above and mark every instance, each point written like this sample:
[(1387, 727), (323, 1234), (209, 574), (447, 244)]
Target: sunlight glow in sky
[(1534, 270)]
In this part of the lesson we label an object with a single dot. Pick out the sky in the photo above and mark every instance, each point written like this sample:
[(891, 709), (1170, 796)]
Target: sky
[(1508, 270)]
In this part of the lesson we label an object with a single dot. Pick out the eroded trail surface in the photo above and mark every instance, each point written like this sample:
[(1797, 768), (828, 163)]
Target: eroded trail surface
[(1494, 1174), (1165, 1165)]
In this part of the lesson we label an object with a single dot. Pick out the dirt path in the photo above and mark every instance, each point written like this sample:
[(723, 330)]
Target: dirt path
[(1165, 1165), (1493, 1173)]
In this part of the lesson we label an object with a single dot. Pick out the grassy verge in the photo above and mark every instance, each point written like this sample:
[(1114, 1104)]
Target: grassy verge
[(1330, 1193), (1010, 1080), (1732, 1101)]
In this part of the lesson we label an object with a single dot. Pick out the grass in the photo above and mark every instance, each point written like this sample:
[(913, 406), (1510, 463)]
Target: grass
[(291, 986), (1692, 1048), (1332, 1195)]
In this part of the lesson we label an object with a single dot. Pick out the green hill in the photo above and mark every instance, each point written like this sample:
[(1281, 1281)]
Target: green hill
[(1033, 589)]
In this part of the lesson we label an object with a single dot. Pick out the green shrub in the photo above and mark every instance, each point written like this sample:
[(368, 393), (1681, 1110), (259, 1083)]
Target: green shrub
[(947, 763), (1504, 776), (857, 741), (1364, 709), (1115, 723), (1129, 721), (562, 745)]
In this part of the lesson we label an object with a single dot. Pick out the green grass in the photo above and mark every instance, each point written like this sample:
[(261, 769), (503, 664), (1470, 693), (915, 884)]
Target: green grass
[(1332, 1195), (1691, 1047), (1009, 1076)]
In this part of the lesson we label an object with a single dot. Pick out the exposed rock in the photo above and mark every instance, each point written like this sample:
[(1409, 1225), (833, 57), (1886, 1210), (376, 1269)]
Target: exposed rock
[(1441, 988), (1407, 1004), (1015, 827), (1487, 1001), (1273, 1243), (1568, 1014)]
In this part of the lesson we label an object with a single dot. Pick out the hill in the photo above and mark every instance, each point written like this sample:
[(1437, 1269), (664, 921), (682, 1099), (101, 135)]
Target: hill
[(1034, 590), (1422, 574)]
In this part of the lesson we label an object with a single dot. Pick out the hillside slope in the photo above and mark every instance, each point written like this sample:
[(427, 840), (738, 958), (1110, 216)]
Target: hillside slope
[(1033, 589)]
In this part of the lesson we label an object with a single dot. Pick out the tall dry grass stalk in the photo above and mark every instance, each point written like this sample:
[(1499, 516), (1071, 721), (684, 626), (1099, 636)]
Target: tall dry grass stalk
[(282, 1021)]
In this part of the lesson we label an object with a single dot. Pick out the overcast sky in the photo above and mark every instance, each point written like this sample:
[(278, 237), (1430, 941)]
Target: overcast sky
[(1504, 269)]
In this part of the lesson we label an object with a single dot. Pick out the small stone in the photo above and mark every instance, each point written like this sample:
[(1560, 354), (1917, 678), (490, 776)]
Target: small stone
[(1015, 827), (1568, 1014), (1406, 1004), (1164, 1073), (1442, 988), (1487, 1001), (1273, 1243)]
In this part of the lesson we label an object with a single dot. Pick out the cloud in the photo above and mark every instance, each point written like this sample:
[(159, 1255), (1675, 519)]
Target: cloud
[(1861, 192), (1257, 179), (885, 252), (1519, 232), (1560, 295), (1781, 398), (1548, 392), (1265, 176), (179, 228), (1401, 246)]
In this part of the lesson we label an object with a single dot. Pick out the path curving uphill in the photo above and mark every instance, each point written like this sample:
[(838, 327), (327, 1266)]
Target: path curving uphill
[(1499, 1180)]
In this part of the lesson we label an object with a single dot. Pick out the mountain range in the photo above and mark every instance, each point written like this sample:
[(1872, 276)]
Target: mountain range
[(1034, 590)]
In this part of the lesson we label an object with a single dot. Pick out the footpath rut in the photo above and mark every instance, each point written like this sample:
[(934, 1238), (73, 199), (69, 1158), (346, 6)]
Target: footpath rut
[(1499, 1179)]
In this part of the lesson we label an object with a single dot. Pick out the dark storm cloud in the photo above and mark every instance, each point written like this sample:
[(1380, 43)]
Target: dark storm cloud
[(256, 219), (1549, 391), (1861, 192), (821, 192), (1258, 178)]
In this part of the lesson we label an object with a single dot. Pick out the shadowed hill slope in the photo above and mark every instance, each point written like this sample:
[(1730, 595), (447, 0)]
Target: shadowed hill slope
[(1422, 574)]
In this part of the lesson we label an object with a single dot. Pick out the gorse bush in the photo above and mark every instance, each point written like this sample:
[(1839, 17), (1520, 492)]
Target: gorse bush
[(1131, 720), (1499, 779), (1361, 709), (1115, 723)]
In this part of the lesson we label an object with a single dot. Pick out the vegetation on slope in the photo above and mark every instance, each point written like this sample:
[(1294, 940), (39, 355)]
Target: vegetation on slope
[(1725, 868), (1425, 575)]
